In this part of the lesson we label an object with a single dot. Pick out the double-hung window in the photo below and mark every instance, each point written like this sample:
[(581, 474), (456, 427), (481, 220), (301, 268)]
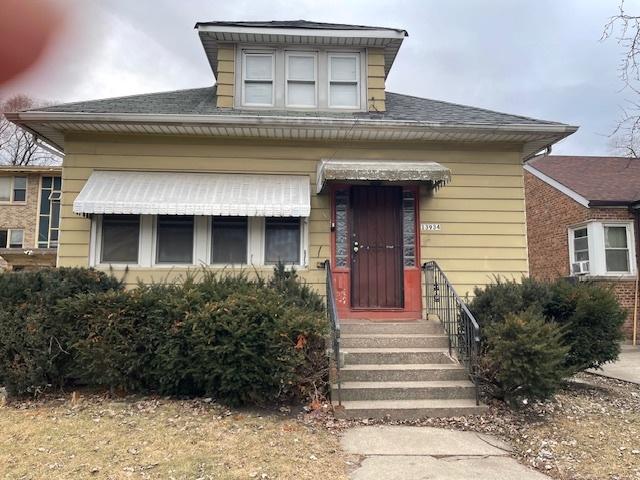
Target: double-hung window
[(258, 78), (580, 245), (120, 239), (616, 248), (301, 72), (13, 238), (229, 240), (344, 80), (13, 189)]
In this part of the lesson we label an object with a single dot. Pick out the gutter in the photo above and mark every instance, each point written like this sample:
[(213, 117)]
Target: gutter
[(271, 120)]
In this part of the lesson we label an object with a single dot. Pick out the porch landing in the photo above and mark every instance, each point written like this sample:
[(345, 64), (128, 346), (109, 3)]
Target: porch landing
[(401, 370)]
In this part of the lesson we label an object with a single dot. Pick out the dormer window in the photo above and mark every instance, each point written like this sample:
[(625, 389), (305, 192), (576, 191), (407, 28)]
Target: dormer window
[(257, 82), (344, 80), (301, 73)]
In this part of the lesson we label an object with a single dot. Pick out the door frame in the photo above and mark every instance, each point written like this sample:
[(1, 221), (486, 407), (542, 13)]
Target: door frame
[(412, 276)]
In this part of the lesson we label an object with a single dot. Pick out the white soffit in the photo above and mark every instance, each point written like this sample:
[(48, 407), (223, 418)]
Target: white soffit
[(381, 170), (168, 193)]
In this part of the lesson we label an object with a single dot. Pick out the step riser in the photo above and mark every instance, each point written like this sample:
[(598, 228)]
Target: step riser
[(401, 375), (410, 414), (429, 328), (435, 393), (394, 342), (395, 358)]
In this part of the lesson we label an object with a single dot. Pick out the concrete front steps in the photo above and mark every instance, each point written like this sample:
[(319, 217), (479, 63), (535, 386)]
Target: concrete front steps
[(401, 370)]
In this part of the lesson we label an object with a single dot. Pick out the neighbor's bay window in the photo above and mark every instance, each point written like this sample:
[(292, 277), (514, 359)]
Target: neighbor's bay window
[(258, 77), (608, 247), (120, 239), (301, 88), (174, 239), (344, 80)]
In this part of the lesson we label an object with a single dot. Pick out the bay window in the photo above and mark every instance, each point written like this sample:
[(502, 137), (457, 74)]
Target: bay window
[(603, 249), (120, 239), (174, 239), (344, 79), (301, 79), (257, 82), (229, 240)]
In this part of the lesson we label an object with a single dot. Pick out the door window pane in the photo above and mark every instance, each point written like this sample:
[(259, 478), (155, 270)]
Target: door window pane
[(229, 245), (342, 229), (16, 238), (175, 239), (5, 189), (282, 240), (19, 189), (616, 250), (120, 238), (409, 228)]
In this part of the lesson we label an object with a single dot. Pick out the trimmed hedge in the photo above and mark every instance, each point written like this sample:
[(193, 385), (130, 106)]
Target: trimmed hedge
[(241, 341)]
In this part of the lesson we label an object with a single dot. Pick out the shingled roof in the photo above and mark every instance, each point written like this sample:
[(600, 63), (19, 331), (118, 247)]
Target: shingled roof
[(202, 101), (600, 180)]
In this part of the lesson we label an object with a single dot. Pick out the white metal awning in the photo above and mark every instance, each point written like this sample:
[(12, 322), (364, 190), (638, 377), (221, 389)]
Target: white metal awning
[(381, 170), (167, 193)]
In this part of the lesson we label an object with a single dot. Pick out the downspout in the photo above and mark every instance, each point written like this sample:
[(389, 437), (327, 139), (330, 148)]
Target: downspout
[(636, 214)]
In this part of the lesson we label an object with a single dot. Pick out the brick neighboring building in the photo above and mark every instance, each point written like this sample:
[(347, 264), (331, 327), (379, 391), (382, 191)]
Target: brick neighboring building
[(582, 221), (29, 216)]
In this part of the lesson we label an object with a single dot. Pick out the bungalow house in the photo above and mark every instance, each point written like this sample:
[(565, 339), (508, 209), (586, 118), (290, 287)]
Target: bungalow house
[(582, 215), (29, 216), (299, 154)]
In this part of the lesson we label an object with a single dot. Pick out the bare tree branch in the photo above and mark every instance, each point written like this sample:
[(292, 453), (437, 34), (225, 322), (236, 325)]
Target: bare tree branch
[(18, 146)]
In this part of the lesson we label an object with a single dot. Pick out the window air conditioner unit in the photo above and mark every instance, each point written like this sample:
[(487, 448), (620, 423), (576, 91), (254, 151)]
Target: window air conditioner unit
[(580, 268)]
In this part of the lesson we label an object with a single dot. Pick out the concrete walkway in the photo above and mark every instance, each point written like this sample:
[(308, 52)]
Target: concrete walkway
[(424, 453), (627, 367)]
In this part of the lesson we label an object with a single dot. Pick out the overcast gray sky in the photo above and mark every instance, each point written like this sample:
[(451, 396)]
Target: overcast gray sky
[(540, 58)]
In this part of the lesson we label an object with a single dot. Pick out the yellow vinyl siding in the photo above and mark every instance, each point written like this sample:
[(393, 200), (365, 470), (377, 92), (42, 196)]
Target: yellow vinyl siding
[(375, 80), (226, 78), (481, 212)]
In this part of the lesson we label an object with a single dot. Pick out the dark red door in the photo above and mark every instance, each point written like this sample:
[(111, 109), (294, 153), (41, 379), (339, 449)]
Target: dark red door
[(376, 242)]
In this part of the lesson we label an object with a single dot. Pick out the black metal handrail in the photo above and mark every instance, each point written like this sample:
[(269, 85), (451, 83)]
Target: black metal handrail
[(334, 322), (459, 323)]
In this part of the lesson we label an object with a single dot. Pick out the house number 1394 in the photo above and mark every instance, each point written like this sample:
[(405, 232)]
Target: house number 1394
[(429, 227)]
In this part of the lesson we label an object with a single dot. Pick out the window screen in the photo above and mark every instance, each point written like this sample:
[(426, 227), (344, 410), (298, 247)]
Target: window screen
[(343, 81), (258, 79), (301, 80), (229, 240), (120, 238), (616, 249), (282, 240), (174, 239)]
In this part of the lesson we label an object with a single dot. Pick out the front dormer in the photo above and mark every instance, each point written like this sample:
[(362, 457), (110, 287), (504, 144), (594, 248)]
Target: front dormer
[(300, 65)]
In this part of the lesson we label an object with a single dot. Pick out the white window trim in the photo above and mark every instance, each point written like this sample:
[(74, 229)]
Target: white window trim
[(12, 190), (301, 53), (9, 231), (202, 252), (358, 82), (265, 53), (597, 257)]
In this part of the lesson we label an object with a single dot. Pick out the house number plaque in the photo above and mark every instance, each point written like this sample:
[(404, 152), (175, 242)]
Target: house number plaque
[(429, 227)]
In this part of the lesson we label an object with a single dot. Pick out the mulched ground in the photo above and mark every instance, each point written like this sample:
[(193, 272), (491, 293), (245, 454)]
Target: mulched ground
[(590, 430)]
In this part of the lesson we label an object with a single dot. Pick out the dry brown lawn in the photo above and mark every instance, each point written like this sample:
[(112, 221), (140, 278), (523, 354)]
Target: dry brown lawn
[(169, 439)]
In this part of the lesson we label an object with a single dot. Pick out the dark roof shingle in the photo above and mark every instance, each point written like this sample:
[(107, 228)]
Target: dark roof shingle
[(604, 180), (202, 101)]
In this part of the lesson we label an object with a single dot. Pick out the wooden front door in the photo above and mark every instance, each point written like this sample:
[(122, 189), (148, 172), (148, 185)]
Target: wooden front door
[(376, 242)]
